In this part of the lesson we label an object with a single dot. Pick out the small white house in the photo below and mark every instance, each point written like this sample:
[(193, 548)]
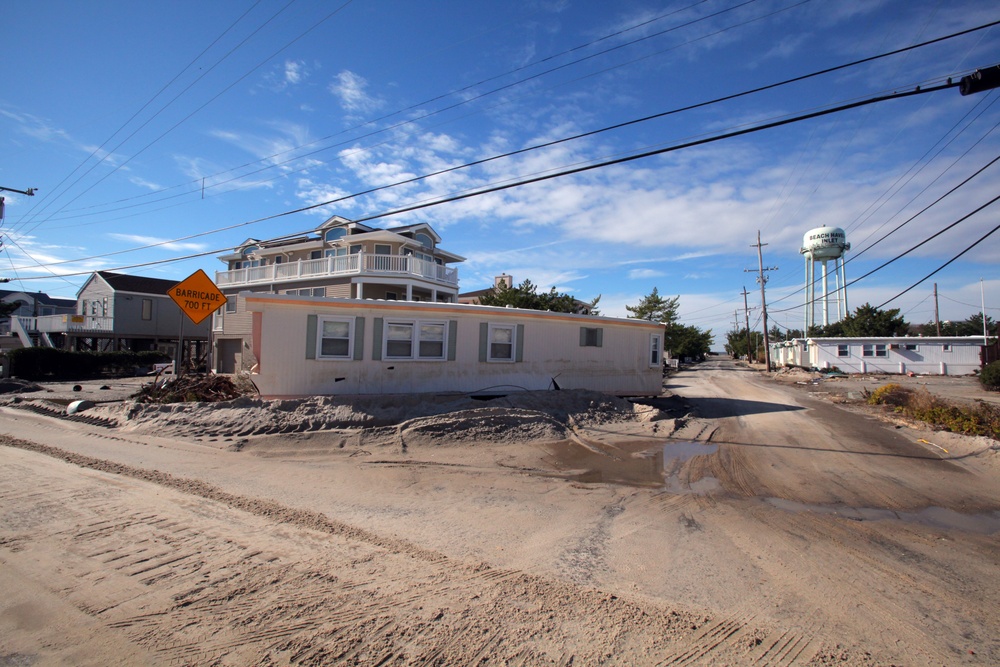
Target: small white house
[(938, 355), (316, 346)]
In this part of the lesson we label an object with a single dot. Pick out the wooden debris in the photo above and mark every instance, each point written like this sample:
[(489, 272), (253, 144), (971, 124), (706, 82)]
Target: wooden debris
[(192, 388)]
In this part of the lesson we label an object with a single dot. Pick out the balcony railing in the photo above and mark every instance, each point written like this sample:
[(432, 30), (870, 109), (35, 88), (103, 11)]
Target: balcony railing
[(66, 323), (345, 265)]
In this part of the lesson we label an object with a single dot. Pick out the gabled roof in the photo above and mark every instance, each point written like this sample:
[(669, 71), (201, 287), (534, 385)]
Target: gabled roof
[(122, 282), (40, 297)]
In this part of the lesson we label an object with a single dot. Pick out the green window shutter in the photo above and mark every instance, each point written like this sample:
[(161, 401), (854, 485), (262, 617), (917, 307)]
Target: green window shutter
[(311, 325), (452, 339), (484, 336), (600, 337), (359, 338), (519, 354), (377, 339)]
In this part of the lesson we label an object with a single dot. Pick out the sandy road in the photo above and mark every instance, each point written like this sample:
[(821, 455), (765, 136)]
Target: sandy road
[(792, 533)]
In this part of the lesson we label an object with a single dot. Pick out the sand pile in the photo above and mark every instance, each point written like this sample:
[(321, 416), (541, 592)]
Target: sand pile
[(542, 415)]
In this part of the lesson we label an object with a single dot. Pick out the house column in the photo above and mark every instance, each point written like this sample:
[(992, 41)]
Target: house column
[(359, 289), (434, 295), (409, 292)]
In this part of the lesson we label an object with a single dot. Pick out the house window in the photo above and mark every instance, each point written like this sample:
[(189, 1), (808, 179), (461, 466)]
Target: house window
[(501, 342), (399, 340), (654, 349), (316, 254), (335, 336), (843, 350), (911, 347), (147, 309), (946, 347), (415, 340), (876, 350), (391, 296), (424, 240), (231, 304), (591, 337), (334, 234)]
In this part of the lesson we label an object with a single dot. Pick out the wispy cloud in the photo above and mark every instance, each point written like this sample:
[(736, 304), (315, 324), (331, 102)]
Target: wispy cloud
[(351, 90), (164, 244)]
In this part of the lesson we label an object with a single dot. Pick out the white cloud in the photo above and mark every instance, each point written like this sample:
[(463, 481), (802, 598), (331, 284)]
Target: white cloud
[(637, 274), (350, 89), (165, 244)]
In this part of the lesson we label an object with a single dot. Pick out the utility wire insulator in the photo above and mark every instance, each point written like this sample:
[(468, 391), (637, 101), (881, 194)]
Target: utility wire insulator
[(980, 80)]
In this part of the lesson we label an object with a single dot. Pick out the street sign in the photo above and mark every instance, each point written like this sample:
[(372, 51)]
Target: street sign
[(197, 296)]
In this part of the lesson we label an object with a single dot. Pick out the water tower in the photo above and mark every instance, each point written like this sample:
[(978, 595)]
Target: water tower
[(820, 246)]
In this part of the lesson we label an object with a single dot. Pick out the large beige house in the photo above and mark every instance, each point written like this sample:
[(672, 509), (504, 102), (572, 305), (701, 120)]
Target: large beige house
[(341, 259)]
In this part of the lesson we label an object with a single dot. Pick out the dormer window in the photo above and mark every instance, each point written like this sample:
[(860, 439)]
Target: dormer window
[(335, 234), (424, 239)]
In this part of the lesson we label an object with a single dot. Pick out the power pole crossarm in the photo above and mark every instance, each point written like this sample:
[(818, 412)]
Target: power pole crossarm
[(30, 191)]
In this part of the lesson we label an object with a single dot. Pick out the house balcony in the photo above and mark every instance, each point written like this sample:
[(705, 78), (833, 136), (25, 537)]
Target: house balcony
[(35, 330), (359, 264)]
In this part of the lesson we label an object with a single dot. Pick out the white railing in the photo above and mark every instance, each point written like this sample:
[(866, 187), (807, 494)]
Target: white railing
[(66, 323), (357, 264)]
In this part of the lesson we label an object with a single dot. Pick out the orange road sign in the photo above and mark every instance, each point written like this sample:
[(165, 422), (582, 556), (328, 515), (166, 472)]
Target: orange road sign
[(197, 296)]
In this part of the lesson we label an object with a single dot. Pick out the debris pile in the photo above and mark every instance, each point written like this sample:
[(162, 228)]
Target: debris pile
[(193, 388)]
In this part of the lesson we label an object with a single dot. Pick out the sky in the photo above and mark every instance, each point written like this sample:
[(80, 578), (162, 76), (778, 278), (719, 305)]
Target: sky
[(160, 135)]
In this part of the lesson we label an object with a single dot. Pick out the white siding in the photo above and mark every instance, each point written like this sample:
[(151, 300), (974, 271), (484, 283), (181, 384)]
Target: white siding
[(550, 348)]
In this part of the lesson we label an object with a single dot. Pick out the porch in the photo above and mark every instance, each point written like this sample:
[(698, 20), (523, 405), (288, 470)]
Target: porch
[(365, 264)]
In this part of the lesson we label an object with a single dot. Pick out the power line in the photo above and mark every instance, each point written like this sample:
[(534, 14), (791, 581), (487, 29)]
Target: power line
[(546, 177), (617, 125)]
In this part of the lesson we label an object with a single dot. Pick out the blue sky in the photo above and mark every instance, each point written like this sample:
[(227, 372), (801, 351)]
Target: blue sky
[(173, 131)]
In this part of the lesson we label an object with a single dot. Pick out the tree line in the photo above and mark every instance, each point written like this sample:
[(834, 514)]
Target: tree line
[(679, 341)]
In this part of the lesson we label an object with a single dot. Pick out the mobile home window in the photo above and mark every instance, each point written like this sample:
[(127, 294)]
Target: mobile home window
[(946, 347), (843, 350), (335, 338), (654, 349), (911, 347), (415, 340), (501, 340), (876, 350), (591, 337), (147, 309)]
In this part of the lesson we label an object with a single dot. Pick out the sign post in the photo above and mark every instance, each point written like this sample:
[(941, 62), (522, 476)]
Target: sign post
[(198, 297)]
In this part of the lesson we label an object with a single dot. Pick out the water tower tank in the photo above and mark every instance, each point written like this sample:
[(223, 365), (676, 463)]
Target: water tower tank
[(825, 243)]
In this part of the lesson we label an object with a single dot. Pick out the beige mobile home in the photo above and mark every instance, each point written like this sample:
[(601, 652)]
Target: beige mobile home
[(315, 346)]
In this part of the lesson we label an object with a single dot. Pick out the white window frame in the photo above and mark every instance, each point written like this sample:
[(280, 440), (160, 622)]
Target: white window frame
[(147, 309), (874, 350), (655, 350), (946, 347), (843, 350), (320, 320), (513, 343), (416, 340)]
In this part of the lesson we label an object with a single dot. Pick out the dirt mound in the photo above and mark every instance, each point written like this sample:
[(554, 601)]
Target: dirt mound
[(18, 386), (525, 415)]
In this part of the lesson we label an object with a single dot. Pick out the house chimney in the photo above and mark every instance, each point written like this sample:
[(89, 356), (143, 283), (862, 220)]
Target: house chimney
[(505, 279)]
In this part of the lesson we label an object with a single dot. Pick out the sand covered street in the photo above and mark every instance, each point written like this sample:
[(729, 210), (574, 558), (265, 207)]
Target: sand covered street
[(736, 520)]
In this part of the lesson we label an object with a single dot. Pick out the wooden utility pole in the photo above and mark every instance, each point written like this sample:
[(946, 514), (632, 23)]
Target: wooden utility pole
[(746, 314), (762, 279), (937, 319)]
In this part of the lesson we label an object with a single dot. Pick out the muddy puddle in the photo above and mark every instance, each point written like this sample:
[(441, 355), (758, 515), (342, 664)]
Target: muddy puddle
[(637, 464), (932, 517)]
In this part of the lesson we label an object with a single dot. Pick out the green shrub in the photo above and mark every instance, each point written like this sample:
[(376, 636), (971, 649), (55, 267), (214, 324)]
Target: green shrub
[(989, 377), (889, 394), (46, 363)]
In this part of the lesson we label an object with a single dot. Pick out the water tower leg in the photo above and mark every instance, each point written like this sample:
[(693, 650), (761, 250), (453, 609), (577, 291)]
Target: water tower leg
[(826, 299)]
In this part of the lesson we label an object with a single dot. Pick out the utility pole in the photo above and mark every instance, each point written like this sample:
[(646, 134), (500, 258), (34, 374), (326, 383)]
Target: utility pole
[(746, 314), (762, 279), (937, 318)]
